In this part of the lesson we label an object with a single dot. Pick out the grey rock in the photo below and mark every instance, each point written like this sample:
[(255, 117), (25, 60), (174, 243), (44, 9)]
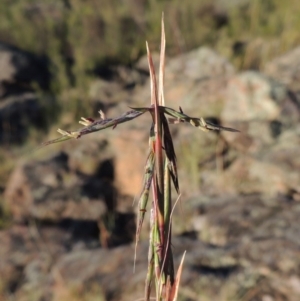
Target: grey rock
[(196, 81), (20, 112), (260, 108), (21, 73), (200, 64), (286, 69), (19, 67), (48, 190), (252, 96)]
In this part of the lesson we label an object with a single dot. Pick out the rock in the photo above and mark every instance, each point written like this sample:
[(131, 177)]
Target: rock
[(286, 69), (252, 96), (106, 95), (250, 217), (259, 240), (85, 155), (260, 108), (256, 230), (143, 66), (248, 174), (131, 149), (200, 64), (20, 107), (18, 67), (21, 246), (19, 113), (48, 190), (108, 273), (196, 81)]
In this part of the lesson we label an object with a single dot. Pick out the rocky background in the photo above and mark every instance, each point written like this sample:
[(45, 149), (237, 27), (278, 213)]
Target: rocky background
[(67, 218)]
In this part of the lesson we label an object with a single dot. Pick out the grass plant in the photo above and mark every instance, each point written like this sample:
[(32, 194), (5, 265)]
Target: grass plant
[(160, 173)]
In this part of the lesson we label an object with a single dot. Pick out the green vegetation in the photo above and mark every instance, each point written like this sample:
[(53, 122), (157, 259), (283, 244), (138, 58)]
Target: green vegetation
[(81, 36), (5, 220)]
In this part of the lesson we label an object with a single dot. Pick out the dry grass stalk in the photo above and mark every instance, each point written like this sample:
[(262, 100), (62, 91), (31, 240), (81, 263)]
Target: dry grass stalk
[(160, 171)]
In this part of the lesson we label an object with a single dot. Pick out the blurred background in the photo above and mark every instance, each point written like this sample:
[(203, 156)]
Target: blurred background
[(67, 223)]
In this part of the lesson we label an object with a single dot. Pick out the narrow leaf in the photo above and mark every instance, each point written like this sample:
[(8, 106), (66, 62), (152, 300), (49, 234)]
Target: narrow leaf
[(158, 145), (150, 271), (143, 200), (175, 287), (161, 99), (170, 152), (57, 140)]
